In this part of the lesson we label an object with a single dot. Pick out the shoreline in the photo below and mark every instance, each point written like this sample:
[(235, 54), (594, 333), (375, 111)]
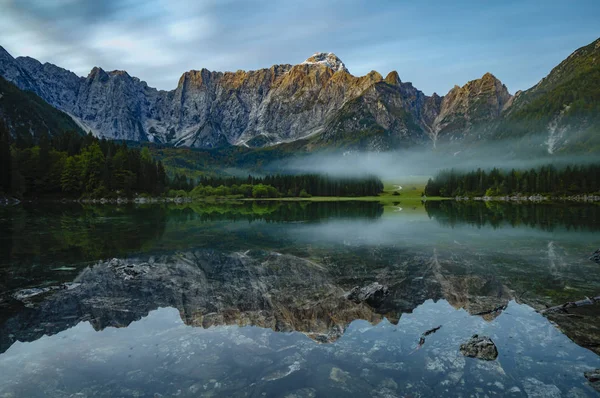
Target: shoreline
[(385, 199), (538, 198)]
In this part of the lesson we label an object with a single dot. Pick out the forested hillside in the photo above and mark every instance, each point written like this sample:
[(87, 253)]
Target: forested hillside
[(72, 165), (28, 117)]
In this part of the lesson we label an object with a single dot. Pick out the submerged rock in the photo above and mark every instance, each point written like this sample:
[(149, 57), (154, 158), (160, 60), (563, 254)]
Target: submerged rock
[(481, 347), (593, 377), (372, 294), (596, 257), (338, 375)]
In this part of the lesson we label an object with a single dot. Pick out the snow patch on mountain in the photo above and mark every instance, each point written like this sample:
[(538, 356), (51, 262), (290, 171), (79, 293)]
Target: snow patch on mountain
[(330, 60)]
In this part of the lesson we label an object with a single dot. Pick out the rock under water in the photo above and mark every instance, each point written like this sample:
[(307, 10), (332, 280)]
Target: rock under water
[(481, 347), (593, 377), (596, 256)]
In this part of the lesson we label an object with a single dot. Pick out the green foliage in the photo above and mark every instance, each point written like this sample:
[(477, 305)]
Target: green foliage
[(572, 180), (72, 165), (70, 179), (264, 191), (177, 193), (273, 186), (5, 159), (92, 161), (293, 185)]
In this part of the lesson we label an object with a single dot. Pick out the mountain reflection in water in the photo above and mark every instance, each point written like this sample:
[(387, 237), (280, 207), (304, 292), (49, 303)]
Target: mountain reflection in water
[(258, 299)]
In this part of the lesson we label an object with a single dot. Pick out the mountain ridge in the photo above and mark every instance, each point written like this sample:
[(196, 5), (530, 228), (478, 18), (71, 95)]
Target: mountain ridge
[(283, 103)]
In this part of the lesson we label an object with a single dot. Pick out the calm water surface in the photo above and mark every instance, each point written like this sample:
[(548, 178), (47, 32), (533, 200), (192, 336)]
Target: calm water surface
[(255, 299)]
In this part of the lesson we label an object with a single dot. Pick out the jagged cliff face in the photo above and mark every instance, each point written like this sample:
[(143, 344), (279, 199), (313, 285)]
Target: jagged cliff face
[(475, 105), (386, 115), (284, 103), (320, 99)]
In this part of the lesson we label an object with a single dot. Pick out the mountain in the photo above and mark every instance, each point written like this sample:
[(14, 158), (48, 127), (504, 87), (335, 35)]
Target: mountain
[(319, 103), (472, 107), (316, 98), (27, 115), (564, 106)]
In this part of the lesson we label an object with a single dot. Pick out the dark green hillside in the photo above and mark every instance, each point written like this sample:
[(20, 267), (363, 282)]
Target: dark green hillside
[(567, 102), (28, 117)]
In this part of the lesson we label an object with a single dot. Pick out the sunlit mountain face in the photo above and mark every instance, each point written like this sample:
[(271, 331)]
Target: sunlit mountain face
[(318, 104)]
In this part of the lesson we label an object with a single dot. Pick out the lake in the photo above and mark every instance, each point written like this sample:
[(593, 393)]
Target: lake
[(297, 299)]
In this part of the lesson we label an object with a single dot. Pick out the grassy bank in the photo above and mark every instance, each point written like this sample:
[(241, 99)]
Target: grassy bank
[(394, 193)]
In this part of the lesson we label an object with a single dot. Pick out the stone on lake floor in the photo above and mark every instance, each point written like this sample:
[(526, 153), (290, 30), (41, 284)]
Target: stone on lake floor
[(481, 347), (596, 256), (593, 377), (338, 375)]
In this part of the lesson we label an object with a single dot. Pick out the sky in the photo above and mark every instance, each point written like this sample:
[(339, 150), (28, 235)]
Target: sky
[(433, 44)]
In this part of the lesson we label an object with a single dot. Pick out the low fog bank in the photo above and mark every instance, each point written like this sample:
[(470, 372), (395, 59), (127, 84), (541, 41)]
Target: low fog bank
[(428, 161)]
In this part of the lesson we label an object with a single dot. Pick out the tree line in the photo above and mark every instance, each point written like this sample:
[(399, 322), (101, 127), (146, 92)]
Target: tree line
[(273, 186), (75, 165), (571, 180)]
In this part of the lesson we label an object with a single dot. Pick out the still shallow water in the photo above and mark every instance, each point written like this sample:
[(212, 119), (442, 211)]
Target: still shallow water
[(251, 299)]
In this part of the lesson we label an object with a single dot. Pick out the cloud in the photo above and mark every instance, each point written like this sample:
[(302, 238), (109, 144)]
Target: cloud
[(434, 44)]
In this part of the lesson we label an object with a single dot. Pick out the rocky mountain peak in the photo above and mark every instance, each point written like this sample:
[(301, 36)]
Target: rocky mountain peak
[(464, 108), (330, 60), (119, 73), (487, 82), (195, 78), (97, 73), (393, 78), (28, 62), (13, 72), (488, 76), (4, 53)]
